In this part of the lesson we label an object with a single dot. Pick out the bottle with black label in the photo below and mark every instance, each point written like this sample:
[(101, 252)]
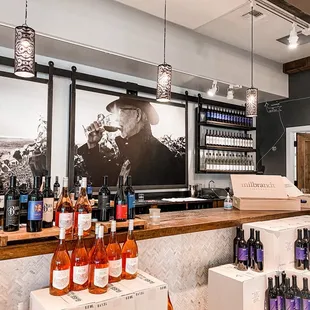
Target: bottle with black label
[(299, 252), (11, 207), (35, 207), (89, 188), (23, 203), (56, 189), (2, 193), (48, 204), (104, 202), (242, 253), (131, 201), (258, 253), (251, 245), (121, 209)]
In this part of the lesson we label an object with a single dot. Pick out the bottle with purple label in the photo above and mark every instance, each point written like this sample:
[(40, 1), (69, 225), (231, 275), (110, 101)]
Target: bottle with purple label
[(236, 241), (297, 294), (305, 295), (251, 245), (305, 245), (289, 298), (242, 253), (279, 293), (299, 252), (271, 301), (258, 253)]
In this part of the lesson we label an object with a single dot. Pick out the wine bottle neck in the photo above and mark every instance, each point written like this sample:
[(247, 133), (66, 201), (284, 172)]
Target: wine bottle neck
[(113, 238), (305, 280)]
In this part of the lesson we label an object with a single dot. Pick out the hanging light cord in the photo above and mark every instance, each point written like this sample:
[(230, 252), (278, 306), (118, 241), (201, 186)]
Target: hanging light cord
[(165, 30), (252, 45), (26, 12)]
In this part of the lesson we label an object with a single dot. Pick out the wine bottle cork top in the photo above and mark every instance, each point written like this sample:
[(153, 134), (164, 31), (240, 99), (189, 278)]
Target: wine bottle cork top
[(101, 231), (130, 225), (84, 182), (62, 233), (80, 230)]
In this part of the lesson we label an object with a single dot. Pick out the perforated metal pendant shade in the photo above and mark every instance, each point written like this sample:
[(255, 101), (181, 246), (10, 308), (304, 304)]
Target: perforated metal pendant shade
[(164, 76)]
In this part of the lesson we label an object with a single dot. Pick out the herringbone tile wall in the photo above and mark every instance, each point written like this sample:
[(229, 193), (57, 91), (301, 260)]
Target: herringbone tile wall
[(182, 261)]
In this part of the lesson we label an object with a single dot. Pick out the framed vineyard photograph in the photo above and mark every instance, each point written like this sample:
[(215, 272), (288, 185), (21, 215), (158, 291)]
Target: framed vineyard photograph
[(118, 134)]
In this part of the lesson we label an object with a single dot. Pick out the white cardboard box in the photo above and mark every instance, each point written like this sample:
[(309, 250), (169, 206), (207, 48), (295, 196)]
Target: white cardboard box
[(144, 292), (244, 290)]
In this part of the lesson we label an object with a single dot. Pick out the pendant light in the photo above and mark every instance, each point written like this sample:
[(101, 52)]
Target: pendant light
[(251, 93), (164, 71), (24, 55)]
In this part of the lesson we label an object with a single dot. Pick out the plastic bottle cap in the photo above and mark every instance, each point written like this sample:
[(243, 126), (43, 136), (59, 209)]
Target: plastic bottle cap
[(113, 226), (101, 231)]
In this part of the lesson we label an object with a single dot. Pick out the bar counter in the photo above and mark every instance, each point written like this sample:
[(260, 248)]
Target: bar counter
[(172, 223)]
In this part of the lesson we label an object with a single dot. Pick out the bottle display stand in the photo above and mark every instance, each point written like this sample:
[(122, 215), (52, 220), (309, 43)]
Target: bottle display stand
[(144, 292), (138, 224)]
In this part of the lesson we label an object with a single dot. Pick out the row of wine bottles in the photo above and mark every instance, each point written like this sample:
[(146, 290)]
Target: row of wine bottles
[(95, 269), (286, 297), (248, 254), (226, 161), (224, 115), (231, 139)]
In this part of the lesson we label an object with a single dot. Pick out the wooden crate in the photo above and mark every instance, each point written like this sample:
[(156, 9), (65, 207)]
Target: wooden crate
[(22, 234), (138, 224)]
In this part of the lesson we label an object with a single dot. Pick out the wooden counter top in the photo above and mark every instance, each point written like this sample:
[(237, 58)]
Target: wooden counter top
[(172, 223)]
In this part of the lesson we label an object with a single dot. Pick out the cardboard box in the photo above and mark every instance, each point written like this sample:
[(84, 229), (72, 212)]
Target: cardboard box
[(264, 192), (244, 290)]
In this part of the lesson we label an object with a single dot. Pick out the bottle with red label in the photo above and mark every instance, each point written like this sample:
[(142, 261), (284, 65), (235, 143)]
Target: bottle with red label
[(83, 211), (121, 208)]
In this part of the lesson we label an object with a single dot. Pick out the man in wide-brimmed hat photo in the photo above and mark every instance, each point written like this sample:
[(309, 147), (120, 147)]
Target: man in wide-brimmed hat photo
[(141, 155)]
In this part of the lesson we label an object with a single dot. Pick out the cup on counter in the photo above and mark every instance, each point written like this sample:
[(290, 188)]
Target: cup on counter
[(154, 216)]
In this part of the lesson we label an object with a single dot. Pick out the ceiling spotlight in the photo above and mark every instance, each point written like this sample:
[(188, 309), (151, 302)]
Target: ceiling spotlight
[(213, 90), (293, 38), (230, 92)]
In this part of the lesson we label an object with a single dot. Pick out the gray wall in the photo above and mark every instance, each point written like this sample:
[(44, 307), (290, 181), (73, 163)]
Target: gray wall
[(294, 113)]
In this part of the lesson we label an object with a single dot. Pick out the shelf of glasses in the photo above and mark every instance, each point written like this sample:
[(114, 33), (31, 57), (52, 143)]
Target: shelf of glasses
[(227, 148), (226, 125), (224, 172)]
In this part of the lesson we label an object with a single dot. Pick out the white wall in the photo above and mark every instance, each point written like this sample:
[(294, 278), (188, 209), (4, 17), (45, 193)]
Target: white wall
[(111, 26)]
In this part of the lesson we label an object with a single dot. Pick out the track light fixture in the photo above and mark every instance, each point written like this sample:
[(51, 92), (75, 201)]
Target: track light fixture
[(293, 38), (230, 92), (213, 90)]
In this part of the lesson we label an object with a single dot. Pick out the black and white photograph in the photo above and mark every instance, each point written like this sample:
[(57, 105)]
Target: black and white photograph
[(23, 130), (124, 135)]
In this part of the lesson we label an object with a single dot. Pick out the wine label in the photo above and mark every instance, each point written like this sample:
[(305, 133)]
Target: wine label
[(289, 304), (280, 302), (300, 253), (121, 212), (56, 192), (80, 274), (259, 255), (89, 190), (65, 220), (61, 278), (101, 277), (12, 212), (273, 304), (131, 265), (115, 268), (242, 254), (35, 210), (48, 204), (131, 202), (297, 302), (228, 205), (251, 252), (84, 220), (305, 304), (103, 201), (1, 201), (23, 198)]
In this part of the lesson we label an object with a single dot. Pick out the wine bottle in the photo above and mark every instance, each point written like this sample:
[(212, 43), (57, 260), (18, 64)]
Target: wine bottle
[(83, 211), (89, 188), (299, 252), (79, 264), (91, 251), (56, 189), (297, 294), (130, 196), (77, 187), (60, 268), (11, 207), (258, 253), (104, 202), (242, 253), (305, 295), (271, 296), (35, 207), (23, 203), (236, 241), (289, 296), (48, 204), (99, 267), (282, 286), (120, 202), (64, 209), (279, 293), (114, 253), (305, 245), (2, 194), (251, 245), (130, 255)]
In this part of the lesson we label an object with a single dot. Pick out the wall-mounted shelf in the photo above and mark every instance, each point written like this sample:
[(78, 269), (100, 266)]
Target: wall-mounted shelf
[(226, 125), (227, 148)]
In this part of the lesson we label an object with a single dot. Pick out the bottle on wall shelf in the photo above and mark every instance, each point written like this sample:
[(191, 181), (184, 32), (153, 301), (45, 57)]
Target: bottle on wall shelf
[(11, 207), (235, 249), (2, 194), (299, 252), (56, 189), (251, 247), (23, 203), (305, 295), (121, 208), (79, 264), (60, 268), (77, 188), (83, 210), (242, 253), (130, 197), (48, 204), (91, 251), (99, 267), (64, 209), (114, 253), (104, 204), (35, 207), (130, 255), (89, 189)]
